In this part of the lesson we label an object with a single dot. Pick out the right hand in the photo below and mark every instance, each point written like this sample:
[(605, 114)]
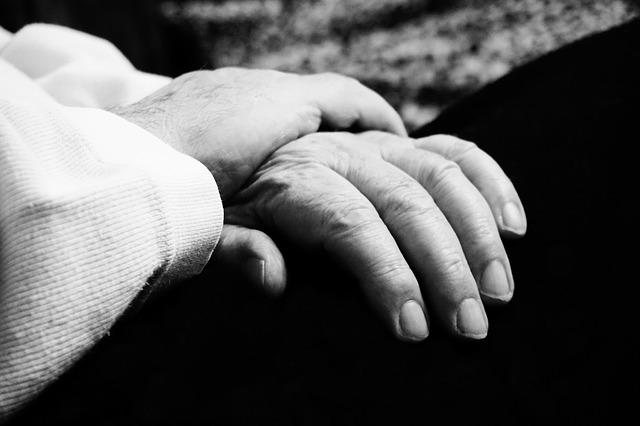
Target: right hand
[(406, 217), (231, 119)]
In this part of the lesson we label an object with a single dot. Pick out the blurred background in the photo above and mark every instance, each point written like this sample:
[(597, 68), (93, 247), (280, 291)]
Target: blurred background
[(421, 55)]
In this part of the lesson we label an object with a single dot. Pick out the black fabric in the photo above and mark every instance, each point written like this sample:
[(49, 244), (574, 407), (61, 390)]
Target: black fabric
[(214, 351)]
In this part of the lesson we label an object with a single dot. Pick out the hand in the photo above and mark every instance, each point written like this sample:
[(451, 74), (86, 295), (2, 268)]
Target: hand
[(231, 119), (415, 221)]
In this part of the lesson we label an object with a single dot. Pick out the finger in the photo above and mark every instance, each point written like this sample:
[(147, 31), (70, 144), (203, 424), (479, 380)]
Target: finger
[(345, 102), (254, 255), (314, 207), (468, 213), (425, 238), (487, 176)]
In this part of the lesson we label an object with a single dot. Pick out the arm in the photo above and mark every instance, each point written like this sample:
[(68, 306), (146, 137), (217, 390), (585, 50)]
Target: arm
[(91, 207), (94, 208)]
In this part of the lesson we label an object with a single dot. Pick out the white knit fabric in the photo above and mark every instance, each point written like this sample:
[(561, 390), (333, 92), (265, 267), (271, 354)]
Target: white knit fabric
[(5, 36), (91, 206)]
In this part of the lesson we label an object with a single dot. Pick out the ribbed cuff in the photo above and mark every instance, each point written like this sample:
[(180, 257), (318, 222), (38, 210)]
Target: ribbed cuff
[(189, 196), (194, 216)]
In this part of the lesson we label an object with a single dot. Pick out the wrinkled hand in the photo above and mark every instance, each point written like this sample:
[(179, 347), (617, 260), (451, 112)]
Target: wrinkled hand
[(231, 119), (417, 222)]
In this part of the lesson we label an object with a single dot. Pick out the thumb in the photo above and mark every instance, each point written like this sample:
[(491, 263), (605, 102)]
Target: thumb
[(254, 255)]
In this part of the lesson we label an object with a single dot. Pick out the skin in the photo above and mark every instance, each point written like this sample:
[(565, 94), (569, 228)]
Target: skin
[(231, 119), (417, 222), (416, 226)]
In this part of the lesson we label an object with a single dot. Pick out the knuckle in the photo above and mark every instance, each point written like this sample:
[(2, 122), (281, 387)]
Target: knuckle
[(453, 147), (462, 149), (393, 271), (442, 173), (386, 144), (483, 231), (483, 239), (406, 199), (351, 217), (442, 139), (453, 266), (328, 150)]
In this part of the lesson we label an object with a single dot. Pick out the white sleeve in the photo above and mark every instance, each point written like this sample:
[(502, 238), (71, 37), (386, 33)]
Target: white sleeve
[(78, 69), (91, 208), (5, 36)]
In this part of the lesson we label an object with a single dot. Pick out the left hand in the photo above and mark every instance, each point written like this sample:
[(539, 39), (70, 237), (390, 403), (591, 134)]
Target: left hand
[(406, 217)]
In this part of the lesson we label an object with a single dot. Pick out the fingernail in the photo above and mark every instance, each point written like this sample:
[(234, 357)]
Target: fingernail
[(413, 322), (494, 282), (255, 269), (471, 320), (512, 218)]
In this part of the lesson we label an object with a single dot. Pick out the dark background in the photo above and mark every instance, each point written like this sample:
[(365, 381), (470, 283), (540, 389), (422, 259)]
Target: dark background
[(213, 351)]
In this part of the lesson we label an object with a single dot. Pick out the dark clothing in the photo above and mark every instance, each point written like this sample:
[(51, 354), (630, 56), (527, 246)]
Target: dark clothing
[(212, 350)]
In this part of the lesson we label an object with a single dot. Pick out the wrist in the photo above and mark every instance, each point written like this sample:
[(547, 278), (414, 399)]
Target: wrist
[(153, 119)]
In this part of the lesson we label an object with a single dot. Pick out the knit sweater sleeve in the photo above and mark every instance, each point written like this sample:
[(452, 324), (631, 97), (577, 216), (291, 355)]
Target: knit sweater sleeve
[(92, 210), (76, 68)]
